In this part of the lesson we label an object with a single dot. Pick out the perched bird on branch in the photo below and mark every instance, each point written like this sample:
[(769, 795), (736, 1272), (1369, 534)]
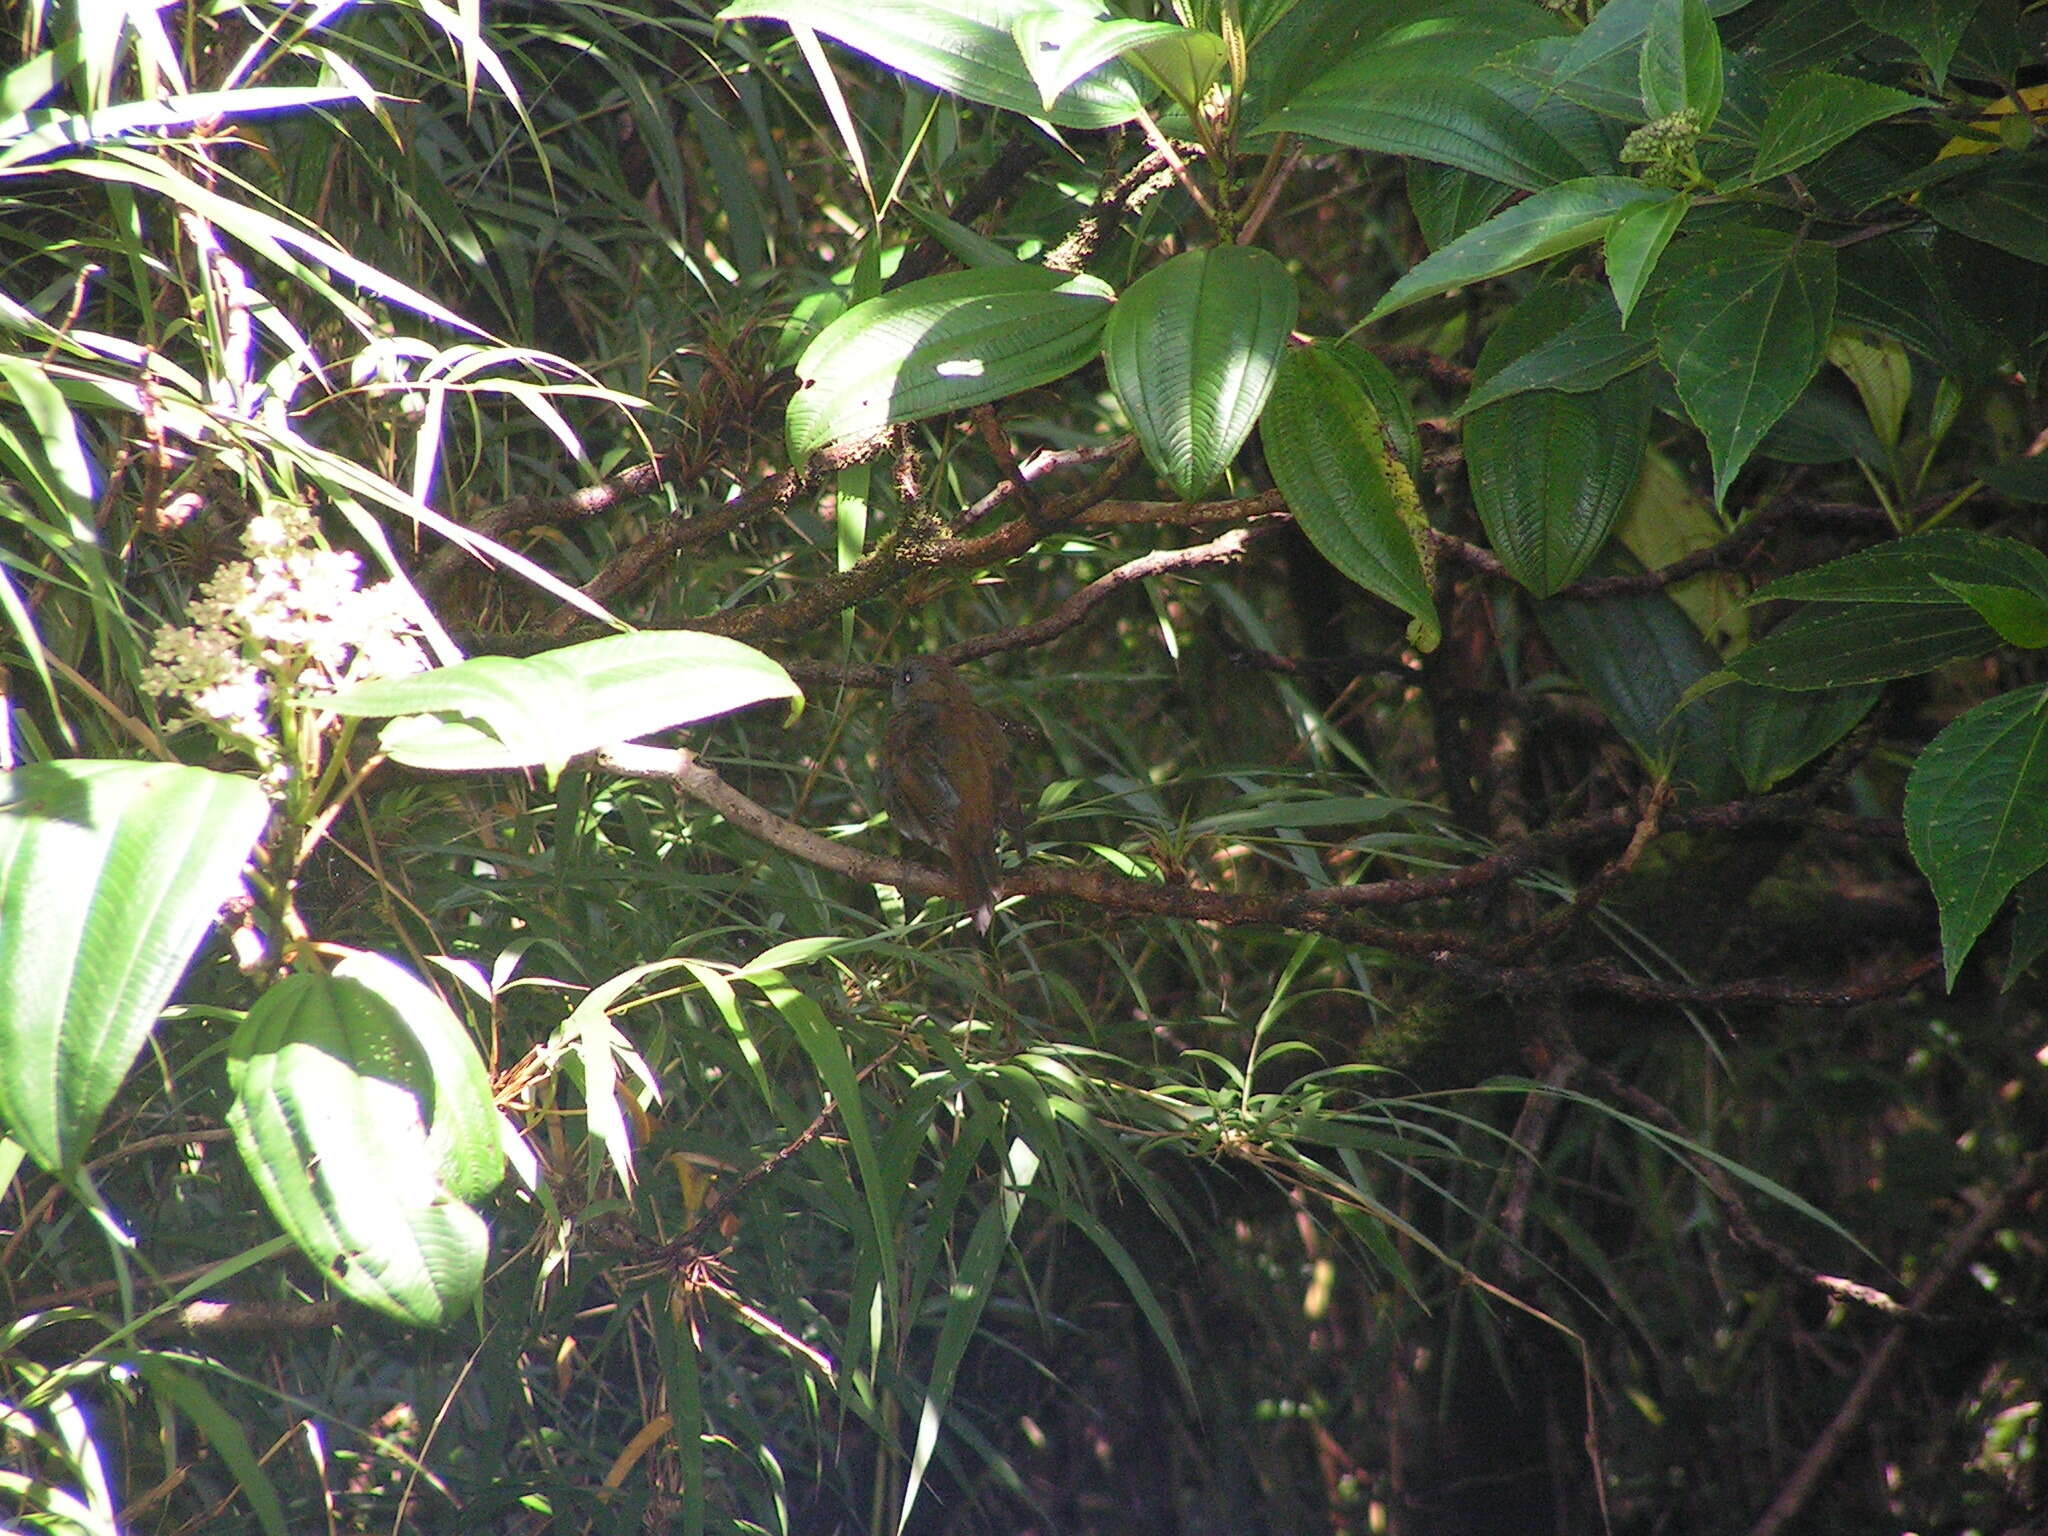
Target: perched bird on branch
[(946, 776)]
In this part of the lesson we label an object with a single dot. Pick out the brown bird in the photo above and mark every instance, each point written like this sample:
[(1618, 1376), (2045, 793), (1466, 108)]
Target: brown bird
[(946, 776)]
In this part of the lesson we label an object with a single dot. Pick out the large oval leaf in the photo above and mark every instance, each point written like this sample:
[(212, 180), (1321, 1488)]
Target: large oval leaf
[(364, 1116), (1551, 469), (109, 875), (527, 711), (968, 47), (942, 344), (1346, 483), (1191, 349)]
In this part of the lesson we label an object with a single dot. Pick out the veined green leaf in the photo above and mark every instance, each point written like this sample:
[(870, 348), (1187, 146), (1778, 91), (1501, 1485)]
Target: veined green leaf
[(1584, 355), (1931, 28), (525, 711), (1191, 349), (2003, 202), (1813, 112), (337, 1112), (1977, 814), (1840, 645), (1551, 470), (1345, 484), (967, 47), (1743, 326), (1773, 734), (1060, 47), (1638, 656), (1914, 570), (1557, 219), (942, 344), (110, 873), (1635, 242), (1680, 68)]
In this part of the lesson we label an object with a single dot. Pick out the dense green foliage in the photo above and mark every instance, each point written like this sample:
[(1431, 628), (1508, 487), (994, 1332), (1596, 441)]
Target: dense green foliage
[(1505, 541)]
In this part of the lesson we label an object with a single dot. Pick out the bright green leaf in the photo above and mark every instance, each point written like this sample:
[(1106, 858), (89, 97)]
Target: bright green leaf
[(942, 344), (1582, 356), (526, 711), (1191, 349), (1345, 484), (967, 47), (2020, 616), (1977, 813), (1557, 219), (1914, 569), (110, 873), (337, 1112)]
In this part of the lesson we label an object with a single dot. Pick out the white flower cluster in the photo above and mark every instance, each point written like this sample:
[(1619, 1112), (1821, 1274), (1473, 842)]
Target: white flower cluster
[(289, 618)]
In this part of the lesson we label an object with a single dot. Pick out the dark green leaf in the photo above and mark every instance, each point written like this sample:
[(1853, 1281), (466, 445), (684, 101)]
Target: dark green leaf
[(1912, 570), (1743, 327), (2029, 926), (942, 344), (1557, 219), (1584, 355), (1977, 813), (950, 48), (1637, 656), (2019, 479), (1839, 645), (1773, 733), (1447, 201), (1346, 486), (1551, 470), (2003, 202), (1931, 28), (2019, 615), (1814, 112), (1191, 348), (110, 873)]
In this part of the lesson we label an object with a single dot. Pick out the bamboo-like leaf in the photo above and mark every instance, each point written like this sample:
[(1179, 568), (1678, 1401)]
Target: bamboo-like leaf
[(969, 49), (1191, 349)]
